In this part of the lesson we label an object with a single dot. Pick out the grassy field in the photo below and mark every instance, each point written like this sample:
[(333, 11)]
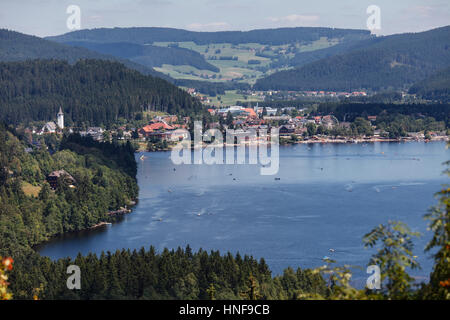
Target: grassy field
[(30, 190), (185, 72), (142, 146), (153, 114), (237, 69), (231, 97), (322, 43), (228, 70)]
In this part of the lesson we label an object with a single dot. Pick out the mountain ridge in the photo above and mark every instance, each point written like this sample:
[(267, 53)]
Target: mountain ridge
[(148, 55), (16, 46), (396, 61), (158, 34)]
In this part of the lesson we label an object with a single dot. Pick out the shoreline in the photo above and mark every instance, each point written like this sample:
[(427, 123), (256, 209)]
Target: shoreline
[(312, 141), (98, 225), (112, 214), (369, 140)]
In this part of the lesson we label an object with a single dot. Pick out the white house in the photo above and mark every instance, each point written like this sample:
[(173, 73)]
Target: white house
[(49, 127)]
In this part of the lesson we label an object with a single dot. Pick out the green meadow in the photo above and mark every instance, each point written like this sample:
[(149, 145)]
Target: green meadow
[(239, 69)]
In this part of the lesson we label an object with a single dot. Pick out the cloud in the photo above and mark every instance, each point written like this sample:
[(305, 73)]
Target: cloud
[(95, 18), (155, 2), (212, 26), (296, 20), (425, 11)]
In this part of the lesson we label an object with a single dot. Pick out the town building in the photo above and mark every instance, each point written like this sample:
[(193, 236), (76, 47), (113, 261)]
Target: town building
[(286, 130), (52, 127), (163, 131), (49, 127), (55, 177), (96, 133)]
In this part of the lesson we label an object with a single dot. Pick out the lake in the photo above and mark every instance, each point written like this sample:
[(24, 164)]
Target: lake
[(327, 197)]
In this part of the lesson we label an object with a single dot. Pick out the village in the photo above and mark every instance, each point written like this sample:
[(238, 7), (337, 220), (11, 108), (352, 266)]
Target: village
[(294, 126)]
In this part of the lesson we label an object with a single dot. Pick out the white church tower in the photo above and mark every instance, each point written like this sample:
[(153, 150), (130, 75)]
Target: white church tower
[(60, 119)]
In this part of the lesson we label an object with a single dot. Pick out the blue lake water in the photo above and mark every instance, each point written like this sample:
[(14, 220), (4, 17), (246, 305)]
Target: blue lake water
[(328, 196)]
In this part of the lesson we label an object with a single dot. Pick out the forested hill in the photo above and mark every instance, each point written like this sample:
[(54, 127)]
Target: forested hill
[(435, 87), (305, 57), (396, 61), (31, 212), (15, 46), (93, 92), (263, 36), (148, 55)]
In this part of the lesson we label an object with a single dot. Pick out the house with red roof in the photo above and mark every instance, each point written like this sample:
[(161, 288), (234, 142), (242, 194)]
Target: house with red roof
[(155, 127), (250, 112), (163, 131)]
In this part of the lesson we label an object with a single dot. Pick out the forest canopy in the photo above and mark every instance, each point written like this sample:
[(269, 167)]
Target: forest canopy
[(396, 61), (92, 92), (32, 211)]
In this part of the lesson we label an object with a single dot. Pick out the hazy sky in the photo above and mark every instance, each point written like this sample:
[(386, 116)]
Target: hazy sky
[(48, 17)]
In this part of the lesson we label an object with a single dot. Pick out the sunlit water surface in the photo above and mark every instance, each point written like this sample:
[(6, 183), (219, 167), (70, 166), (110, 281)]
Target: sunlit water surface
[(327, 197)]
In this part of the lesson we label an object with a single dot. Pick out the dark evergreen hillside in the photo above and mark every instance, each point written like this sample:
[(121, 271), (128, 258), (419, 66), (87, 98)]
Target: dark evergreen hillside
[(148, 55), (396, 61), (436, 87), (15, 46), (91, 92), (264, 36), (351, 111), (31, 212), (152, 275), (306, 57)]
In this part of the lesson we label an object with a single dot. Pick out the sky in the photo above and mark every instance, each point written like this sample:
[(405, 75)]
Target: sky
[(48, 17)]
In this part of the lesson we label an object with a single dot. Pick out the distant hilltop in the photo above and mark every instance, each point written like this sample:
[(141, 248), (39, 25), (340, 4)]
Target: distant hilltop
[(148, 35)]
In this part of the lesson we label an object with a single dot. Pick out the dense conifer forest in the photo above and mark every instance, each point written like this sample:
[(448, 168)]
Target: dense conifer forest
[(92, 92), (16, 46), (170, 274), (148, 55), (396, 61), (32, 211), (351, 111), (436, 87)]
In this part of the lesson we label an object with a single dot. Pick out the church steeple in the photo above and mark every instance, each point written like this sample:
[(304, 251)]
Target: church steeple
[(60, 119)]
